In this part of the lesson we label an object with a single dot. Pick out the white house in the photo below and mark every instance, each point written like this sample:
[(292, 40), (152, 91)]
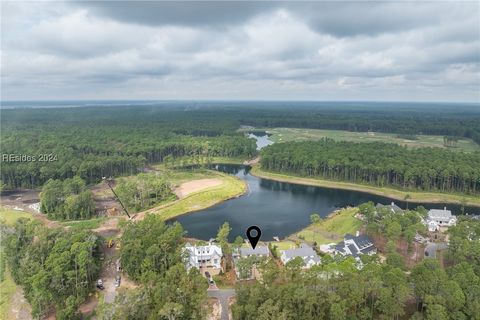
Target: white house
[(309, 256), (209, 256), (432, 225), (355, 246), (440, 218)]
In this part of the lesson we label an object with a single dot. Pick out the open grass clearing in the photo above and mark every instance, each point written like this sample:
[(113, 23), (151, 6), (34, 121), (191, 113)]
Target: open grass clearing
[(10, 216), (297, 134)]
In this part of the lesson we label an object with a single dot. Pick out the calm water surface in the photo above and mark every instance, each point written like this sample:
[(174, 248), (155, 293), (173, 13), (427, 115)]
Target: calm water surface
[(278, 208), (262, 140)]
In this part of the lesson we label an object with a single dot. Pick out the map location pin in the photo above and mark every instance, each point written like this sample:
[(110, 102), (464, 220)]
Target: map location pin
[(253, 235)]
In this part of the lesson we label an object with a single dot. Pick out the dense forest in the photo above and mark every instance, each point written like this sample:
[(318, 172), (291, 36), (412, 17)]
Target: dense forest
[(67, 200), (143, 191), (151, 254), (94, 142), (56, 268), (379, 164), (102, 142), (339, 289)]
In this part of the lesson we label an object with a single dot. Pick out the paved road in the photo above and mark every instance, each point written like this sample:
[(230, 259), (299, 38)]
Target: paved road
[(432, 247), (223, 295)]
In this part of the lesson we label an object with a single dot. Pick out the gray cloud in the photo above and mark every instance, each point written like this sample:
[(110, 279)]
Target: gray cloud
[(186, 13), (241, 50), (345, 19), (338, 18)]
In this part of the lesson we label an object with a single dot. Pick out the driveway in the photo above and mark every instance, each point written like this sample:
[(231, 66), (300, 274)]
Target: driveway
[(223, 295), (432, 247)]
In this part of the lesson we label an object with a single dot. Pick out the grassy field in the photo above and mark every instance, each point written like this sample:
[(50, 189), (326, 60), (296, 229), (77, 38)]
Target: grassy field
[(10, 216), (294, 134), (231, 187), (387, 192), (331, 229), (7, 289)]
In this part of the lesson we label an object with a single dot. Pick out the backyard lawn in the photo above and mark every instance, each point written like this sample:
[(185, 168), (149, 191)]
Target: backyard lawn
[(331, 229)]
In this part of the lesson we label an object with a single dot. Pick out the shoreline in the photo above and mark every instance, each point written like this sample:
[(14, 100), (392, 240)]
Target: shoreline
[(167, 217), (415, 197)]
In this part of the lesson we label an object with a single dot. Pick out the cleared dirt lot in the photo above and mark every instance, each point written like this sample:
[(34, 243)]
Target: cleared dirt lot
[(189, 187)]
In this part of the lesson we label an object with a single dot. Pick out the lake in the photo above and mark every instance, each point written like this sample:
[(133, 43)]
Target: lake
[(279, 208), (262, 139)]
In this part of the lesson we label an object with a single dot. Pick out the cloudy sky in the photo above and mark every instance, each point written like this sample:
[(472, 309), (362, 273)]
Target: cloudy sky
[(425, 51)]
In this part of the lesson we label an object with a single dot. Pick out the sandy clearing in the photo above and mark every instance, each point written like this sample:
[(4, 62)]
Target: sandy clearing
[(189, 187), (214, 309), (182, 192)]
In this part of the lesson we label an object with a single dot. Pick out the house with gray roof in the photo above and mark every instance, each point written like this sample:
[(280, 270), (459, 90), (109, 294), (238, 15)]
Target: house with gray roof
[(355, 246), (437, 218), (259, 252), (309, 256), (392, 207)]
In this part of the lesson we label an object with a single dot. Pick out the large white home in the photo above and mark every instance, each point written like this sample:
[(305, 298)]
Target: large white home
[(309, 256), (242, 253), (208, 256), (355, 246), (440, 218)]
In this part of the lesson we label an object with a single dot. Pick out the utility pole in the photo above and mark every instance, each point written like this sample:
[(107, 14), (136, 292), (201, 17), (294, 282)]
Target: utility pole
[(116, 196)]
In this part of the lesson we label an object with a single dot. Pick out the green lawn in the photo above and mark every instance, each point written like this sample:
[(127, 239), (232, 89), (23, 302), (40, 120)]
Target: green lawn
[(284, 244), (231, 187), (332, 229), (10, 216), (294, 134)]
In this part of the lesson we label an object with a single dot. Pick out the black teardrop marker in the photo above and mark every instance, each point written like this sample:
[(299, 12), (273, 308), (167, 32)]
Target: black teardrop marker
[(253, 238)]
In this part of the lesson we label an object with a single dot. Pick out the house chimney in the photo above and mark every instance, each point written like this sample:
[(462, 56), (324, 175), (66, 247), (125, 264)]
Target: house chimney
[(357, 234)]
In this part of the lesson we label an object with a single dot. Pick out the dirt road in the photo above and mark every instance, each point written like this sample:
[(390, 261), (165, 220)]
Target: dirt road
[(224, 296)]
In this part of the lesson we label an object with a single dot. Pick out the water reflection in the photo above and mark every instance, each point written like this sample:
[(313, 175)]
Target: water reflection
[(279, 208)]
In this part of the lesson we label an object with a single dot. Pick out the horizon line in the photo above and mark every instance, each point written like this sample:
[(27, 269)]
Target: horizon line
[(235, 100)]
